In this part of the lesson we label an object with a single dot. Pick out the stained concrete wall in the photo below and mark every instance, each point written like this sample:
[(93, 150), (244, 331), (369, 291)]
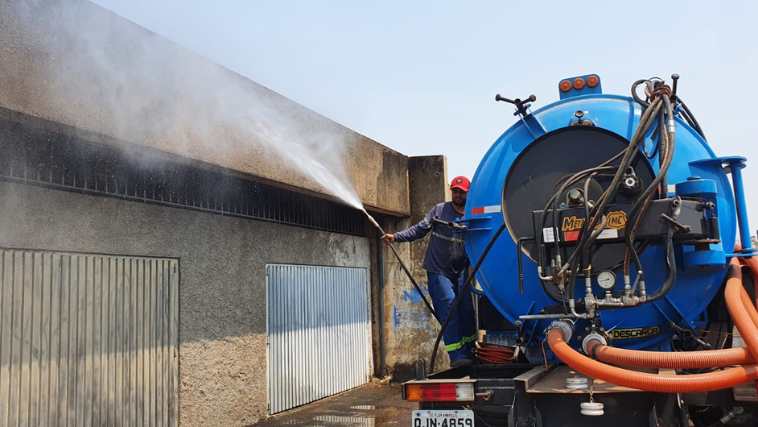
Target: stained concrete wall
[(73, 62), (410, 329), (222, 354)]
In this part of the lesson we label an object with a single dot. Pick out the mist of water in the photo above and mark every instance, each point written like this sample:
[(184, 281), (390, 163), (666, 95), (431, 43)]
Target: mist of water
[(74, 62)]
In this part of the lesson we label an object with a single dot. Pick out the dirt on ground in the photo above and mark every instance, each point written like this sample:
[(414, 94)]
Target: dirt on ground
[(370, 405)]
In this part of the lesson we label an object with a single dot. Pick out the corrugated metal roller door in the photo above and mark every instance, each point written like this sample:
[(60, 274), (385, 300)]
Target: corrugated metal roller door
[(87, 339), (319, 332)]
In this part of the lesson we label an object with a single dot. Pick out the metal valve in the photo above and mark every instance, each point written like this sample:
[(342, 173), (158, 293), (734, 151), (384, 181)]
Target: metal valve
[(521, 105)]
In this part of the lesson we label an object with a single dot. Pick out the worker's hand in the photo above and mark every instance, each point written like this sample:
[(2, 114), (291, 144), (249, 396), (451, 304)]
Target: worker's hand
[(388, 238)]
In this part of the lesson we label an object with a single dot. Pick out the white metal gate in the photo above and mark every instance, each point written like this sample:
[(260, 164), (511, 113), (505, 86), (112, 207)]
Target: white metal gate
[(87, 339), (319, 332)]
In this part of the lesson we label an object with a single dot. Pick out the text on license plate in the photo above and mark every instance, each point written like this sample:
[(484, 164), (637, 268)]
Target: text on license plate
[(443, 418)]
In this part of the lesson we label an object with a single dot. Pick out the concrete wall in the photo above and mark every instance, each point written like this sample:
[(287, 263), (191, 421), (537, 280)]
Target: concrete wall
[(73, 62), (410, 329), (222, 289), (428, 186)]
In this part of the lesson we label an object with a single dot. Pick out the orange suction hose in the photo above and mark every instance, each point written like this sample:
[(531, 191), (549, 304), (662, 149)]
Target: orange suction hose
[(644, 381), (679, 360), (744, 315), (669, 360), (741, 309)]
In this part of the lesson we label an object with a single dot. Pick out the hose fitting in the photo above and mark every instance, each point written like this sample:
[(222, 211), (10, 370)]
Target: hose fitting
[(565, 326), (592, 336)]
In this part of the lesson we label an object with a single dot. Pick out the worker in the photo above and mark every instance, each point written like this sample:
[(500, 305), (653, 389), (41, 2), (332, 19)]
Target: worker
[(446, 263)]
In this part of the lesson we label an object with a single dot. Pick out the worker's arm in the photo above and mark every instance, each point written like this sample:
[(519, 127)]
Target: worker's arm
[(414, 232)]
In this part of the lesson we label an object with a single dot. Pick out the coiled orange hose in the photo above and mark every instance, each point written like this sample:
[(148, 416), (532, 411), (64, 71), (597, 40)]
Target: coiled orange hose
[(493, 353), (744, 316)]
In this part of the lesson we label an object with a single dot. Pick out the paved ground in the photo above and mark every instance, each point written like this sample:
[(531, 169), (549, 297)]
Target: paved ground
[(370, 405)]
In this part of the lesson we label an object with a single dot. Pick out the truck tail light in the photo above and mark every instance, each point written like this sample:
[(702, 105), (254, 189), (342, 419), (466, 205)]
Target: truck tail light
[(439, 392)]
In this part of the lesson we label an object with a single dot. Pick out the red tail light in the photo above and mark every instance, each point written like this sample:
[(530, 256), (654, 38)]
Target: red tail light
[(439, 392)]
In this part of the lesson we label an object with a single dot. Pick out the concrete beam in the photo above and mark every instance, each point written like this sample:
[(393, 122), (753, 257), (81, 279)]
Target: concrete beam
[(78, 64)]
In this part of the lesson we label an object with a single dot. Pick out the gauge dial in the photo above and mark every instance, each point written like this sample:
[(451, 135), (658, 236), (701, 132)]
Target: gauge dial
[(606, 279)]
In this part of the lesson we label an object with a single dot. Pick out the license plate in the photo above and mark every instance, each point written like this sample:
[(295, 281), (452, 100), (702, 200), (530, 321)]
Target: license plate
[(443, 418)]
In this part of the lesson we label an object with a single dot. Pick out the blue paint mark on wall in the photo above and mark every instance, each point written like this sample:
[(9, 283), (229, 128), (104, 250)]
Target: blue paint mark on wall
[(412, 296), (409, 317)]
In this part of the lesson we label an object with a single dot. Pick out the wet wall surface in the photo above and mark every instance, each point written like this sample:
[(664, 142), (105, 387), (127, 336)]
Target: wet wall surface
[(371, 405)]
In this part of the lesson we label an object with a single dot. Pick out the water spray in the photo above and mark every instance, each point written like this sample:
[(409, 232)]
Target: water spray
[(402, 264)]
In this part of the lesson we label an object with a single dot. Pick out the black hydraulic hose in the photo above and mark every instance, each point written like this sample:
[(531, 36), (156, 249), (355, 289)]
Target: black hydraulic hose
[(610, 192), (415, 284), (690, 117), (569, 181), (519, 255), (575, 178), (404, 267), (466, 287), (668, 138), (586, 190), (643, 202), (631, 226), (671, 263), (636, 97)]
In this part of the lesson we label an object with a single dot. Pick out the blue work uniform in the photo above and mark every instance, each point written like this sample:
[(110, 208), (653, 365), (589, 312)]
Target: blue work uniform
[(446, 263)]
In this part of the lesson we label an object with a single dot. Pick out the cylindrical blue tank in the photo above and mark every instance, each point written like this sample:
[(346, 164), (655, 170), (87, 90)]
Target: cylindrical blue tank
[(699, 273)]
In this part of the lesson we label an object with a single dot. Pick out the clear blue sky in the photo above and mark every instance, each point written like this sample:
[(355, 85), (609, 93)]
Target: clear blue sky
[(420, 77)]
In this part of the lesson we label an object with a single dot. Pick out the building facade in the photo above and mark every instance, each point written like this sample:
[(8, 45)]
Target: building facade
[(163, 275)]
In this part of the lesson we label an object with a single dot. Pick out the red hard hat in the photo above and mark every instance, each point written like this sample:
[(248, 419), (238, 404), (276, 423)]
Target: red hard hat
[(461, 183)]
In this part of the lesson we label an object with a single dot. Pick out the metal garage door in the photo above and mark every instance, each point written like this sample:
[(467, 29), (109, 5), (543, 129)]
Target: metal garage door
[(319, 332), (87, 339)]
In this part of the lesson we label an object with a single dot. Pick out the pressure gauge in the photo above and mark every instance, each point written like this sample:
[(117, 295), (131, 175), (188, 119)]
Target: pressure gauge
[(606, 279)]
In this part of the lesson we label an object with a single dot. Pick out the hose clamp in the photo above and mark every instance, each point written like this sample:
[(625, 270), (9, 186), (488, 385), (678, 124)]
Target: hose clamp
[(592, 336), (671, 126), (565, 326)]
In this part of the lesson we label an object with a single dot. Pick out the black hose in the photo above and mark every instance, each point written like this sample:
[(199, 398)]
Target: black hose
[(404, 267), (636, 97), (462, 291), (690, 117), (519, 255), (671, 263), (415, 284), (612, 189), (640, 206), (571, 180)]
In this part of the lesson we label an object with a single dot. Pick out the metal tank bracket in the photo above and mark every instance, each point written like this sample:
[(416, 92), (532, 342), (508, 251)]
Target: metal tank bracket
[(733, 165)]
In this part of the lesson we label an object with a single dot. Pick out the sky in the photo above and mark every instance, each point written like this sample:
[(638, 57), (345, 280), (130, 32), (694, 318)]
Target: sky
[(420, 77)]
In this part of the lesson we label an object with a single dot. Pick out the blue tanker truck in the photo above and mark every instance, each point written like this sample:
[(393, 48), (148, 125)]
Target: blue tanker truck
[(612, 289)]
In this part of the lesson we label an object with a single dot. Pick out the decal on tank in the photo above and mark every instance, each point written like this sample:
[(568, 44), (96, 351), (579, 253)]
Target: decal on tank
[(485, 209), (573, 224), (631, 333)]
